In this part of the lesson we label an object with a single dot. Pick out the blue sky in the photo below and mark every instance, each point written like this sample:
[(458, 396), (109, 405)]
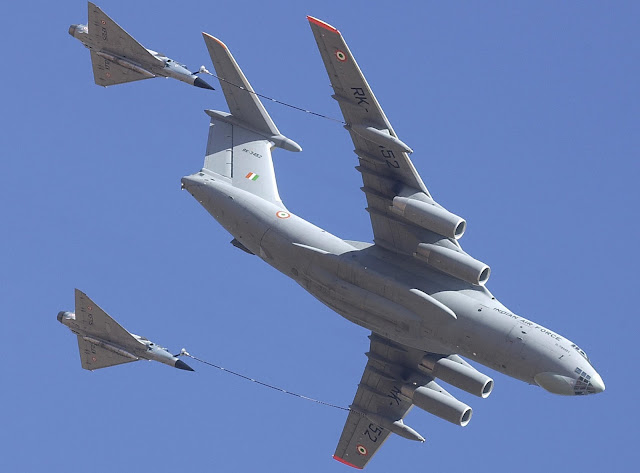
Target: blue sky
[(524, 120)]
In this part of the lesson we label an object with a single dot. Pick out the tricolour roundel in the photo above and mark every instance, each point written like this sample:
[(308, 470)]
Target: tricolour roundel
[(361, 449), (283, 214), (342, 57)]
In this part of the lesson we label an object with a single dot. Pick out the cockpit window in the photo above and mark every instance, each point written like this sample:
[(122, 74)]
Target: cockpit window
[(580, 350)]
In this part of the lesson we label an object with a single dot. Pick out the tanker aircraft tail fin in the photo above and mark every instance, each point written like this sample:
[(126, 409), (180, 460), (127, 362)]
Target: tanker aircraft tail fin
[(240, 142)]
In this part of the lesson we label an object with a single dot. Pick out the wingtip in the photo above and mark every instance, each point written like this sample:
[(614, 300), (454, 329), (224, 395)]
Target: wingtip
[(207, 35), (345, 462), (322, 24)]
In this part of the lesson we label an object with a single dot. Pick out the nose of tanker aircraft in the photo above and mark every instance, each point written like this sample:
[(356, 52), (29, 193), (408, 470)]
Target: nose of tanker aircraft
[(580, 383), (597, 383)]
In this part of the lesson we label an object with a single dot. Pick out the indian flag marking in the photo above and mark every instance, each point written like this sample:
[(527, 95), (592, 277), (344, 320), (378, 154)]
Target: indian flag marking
[(342, 57), (252, 176), (283, 214), (362, 450)]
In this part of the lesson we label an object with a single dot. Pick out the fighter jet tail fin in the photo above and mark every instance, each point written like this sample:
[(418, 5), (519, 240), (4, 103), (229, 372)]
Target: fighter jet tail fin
[(240, 142)]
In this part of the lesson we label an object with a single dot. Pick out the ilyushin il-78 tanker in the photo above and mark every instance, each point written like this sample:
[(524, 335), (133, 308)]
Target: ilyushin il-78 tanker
[(117, 58), (422, 297)]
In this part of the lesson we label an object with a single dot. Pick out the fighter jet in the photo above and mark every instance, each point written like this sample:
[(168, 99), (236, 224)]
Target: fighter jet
[(422, 297), (103, 342), (118, 58)]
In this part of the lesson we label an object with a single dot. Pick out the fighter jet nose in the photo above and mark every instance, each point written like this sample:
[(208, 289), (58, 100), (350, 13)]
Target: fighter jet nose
[(202, 84), (72, 30), (60, 315), (181, 365)]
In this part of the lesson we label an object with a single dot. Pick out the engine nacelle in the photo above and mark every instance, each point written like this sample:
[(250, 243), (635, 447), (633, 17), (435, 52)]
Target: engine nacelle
[(429, 216), (454, 263), (435, 400), (457, 374)]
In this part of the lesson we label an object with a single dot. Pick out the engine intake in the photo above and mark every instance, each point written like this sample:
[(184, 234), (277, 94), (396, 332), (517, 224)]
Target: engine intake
[(454, 263), (432, 398), (429, 216), (457, 374)]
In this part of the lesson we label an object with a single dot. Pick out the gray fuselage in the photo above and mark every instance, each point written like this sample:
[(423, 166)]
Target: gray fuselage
[(396, 295)]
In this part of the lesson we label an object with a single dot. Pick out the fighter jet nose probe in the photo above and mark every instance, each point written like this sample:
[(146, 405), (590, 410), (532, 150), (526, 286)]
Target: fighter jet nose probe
[(117, 58), (103, 342)]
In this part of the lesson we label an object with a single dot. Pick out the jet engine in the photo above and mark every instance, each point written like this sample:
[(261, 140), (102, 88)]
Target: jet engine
[(459, 265), (435, 400), (455, 371), (430, 216)]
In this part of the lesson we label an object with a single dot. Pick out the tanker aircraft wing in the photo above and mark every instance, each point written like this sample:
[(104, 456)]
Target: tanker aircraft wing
[(386, 169), (379, 407)]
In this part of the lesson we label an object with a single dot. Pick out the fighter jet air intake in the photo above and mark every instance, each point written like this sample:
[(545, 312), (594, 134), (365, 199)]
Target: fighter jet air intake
[(103, 342), (422, 298), (118, 58)]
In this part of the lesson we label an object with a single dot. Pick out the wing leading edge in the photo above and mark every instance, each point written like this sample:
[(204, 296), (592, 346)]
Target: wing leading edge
[(388, 175)]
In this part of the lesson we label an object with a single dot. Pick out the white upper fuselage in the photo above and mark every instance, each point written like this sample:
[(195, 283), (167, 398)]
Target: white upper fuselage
[(375, 288)]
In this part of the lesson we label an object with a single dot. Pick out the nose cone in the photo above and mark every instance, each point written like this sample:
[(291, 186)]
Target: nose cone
[(183, 366), (72, 30), (202, 84), (60, 315), (580, 385), (597, 383)]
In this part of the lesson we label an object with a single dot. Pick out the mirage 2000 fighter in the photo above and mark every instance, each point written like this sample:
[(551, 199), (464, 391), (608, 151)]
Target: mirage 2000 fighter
[(103, 342), (118, 58), (422, 297)]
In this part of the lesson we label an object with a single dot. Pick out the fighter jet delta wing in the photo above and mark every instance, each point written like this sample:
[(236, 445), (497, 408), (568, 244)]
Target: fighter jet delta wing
[(240, 143), (388, 174), (93, 323), (111, 37)]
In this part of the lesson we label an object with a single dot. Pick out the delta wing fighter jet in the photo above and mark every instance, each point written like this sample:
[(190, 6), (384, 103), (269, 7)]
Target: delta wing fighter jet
[(420, 295), (103, 342), (118, 58)]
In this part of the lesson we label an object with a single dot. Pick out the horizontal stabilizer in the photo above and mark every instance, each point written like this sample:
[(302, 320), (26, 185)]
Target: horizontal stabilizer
[(245, 106)]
